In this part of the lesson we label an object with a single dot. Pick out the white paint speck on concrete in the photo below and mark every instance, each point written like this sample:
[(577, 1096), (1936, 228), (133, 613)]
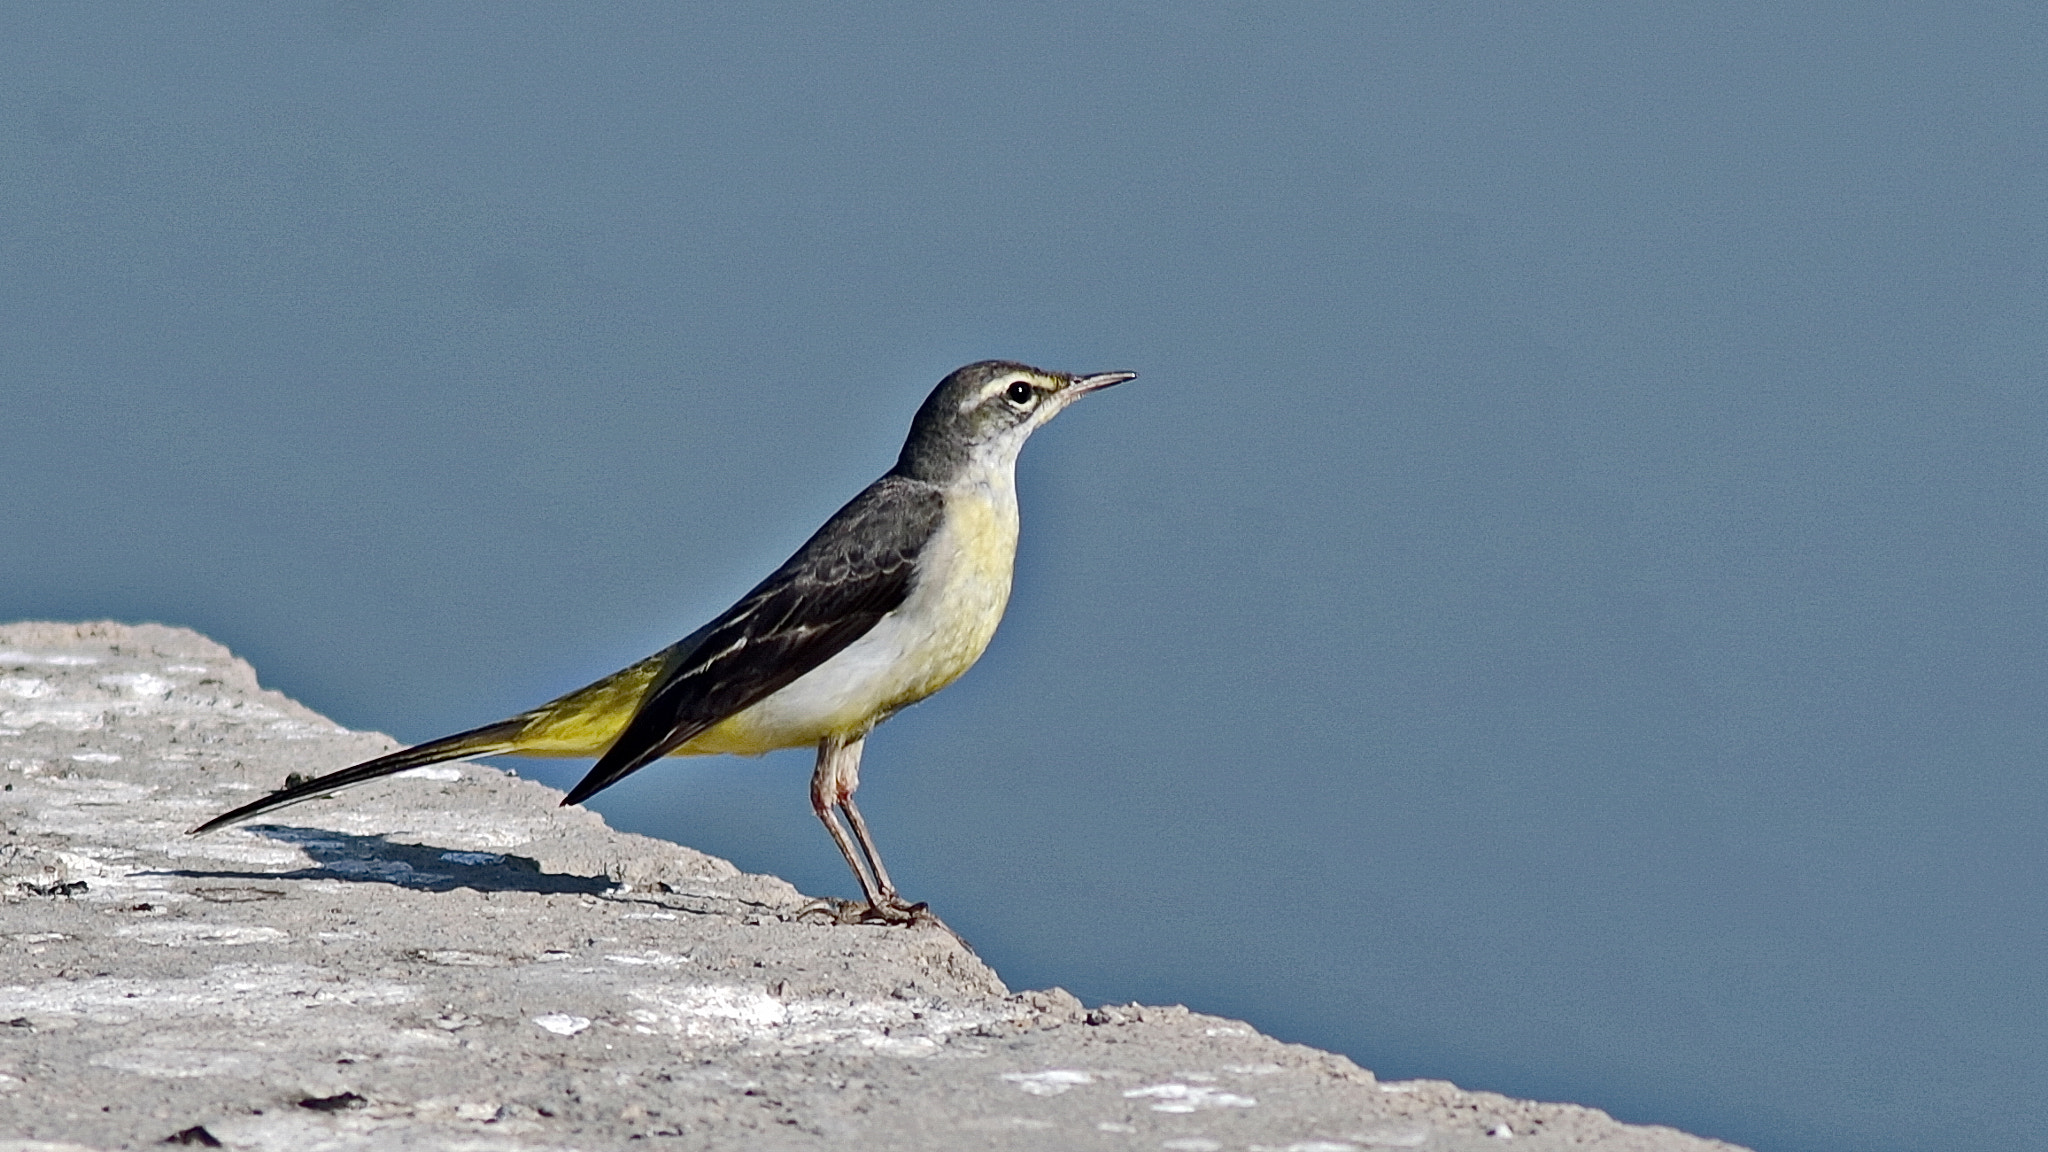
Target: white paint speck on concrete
[(1051, 1082), (562, 1024), (1177, 1097)]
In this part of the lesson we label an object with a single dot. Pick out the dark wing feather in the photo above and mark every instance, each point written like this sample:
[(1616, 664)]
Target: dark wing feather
[(854, 571)]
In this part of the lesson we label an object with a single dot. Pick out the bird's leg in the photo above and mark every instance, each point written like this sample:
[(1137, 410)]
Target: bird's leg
[(832, 750), (845, 781), (832, 788), (867, 848), (892, 906)]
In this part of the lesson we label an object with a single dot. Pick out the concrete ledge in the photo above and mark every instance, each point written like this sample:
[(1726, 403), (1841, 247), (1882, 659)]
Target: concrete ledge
[(446, 960)]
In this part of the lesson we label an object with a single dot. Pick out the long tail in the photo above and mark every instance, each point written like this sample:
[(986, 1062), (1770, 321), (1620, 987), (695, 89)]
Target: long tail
[(485, 741)]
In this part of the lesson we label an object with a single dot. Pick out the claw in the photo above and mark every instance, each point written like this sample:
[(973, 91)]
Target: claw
[(892, 910)]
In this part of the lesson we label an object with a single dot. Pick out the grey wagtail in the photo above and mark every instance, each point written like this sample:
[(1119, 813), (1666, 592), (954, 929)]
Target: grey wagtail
[(890, 601)]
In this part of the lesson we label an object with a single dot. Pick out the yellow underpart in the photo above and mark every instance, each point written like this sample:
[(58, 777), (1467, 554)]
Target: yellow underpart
[(925, 644), (586, 722)]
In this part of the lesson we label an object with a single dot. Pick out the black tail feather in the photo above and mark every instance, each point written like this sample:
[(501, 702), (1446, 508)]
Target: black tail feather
[(483, 741)]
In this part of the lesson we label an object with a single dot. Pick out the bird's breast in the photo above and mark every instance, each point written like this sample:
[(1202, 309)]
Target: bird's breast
[(937, 633)]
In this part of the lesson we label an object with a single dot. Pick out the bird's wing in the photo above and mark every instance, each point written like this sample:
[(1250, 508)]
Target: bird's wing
[(854, 571)]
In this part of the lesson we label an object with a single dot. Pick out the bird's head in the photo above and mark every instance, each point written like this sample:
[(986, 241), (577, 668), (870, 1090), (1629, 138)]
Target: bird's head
[(981, 415)]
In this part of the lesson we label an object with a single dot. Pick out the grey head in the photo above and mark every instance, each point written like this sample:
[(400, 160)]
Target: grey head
[(980, 416)]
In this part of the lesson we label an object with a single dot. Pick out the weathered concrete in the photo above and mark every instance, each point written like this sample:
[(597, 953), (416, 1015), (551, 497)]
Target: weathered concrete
[(448, 960)]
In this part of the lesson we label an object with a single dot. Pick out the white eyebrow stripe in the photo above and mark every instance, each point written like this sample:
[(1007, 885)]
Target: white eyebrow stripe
[(991, 388)]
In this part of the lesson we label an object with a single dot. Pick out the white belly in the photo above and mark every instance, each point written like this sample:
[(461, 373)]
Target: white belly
[(936, 634)]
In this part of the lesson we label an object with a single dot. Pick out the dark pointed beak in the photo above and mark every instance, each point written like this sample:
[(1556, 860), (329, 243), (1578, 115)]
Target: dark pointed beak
[(1085, 384)]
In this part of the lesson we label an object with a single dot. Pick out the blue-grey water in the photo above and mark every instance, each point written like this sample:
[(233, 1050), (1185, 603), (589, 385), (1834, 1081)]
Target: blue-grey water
[(1562, 611)]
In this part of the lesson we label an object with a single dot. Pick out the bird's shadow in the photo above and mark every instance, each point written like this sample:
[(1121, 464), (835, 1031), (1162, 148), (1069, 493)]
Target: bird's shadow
[(377, 860)]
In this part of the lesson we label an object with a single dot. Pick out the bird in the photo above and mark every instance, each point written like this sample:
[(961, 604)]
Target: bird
[(895, 597)]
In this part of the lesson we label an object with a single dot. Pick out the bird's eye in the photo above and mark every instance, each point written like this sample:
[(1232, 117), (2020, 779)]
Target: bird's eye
[(1019, 393)]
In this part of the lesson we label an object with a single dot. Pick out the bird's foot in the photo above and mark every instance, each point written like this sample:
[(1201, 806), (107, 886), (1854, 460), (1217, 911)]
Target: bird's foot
[(895, 909), (891, 909), (832, 910)]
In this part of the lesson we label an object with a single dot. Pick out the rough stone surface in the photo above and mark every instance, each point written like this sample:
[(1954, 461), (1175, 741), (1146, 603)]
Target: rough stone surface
[(447, 960)]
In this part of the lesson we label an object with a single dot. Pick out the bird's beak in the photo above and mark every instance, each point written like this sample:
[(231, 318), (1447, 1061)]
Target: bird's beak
[(1083, 385)]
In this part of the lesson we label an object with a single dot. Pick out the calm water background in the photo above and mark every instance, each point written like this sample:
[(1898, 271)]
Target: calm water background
[(1562, 610)]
